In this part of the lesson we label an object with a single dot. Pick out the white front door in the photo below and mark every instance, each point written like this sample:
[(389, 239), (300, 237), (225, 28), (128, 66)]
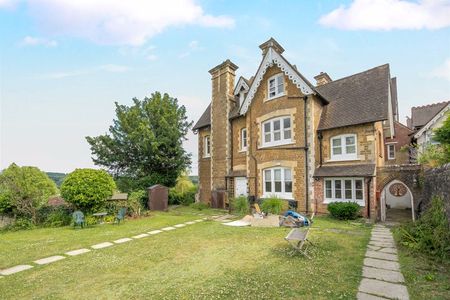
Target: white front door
[(240, 186)]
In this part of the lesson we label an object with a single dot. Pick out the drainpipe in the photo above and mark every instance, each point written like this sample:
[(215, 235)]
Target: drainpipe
[(320, 137), (251, 153), (305, 98), (368, 197)]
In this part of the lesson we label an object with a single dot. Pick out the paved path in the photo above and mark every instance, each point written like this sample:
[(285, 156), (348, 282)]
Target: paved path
[(382, 278), (51, 259)]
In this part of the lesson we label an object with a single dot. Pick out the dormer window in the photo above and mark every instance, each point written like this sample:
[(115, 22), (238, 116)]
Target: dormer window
[(343, 147), (207, 146), (275, 86)]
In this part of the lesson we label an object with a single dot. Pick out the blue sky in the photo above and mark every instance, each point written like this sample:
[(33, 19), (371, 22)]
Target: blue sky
[(63, 63)]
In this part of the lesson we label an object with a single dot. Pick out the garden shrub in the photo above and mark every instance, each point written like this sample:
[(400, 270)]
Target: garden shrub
[(90, 220), (109, 218), (135, 200), (199, 205), (344, 210), (272, 205), (88, 189), (185, 197), (21, 224), (240, 205), (58, 217), (430, 234)]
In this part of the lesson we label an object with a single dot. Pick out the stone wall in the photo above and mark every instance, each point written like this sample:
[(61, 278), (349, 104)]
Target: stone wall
[(437, 182), (5, 221)]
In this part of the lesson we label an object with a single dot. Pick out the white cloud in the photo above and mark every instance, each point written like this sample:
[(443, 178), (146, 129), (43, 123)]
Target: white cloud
[(193, 47), (119, 22), (151, 57), (389, 14), (442, 71), (36, 41), (8, 3), (114, 68)]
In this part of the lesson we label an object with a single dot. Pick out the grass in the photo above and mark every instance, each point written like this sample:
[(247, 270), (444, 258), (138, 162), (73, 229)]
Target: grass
[(202, 261), (425, 277)]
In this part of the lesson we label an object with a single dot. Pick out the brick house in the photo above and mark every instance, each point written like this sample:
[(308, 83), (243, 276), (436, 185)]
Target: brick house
[(276, 134)]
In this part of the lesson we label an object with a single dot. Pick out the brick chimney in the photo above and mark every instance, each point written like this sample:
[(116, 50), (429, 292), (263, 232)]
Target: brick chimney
[(222, 77), (271, 43), (322, 78)]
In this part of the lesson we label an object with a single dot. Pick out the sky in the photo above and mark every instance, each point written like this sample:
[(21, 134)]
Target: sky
[(64, 63)]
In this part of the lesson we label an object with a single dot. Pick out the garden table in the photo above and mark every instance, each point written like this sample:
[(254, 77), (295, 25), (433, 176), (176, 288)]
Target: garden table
[(100, 217)]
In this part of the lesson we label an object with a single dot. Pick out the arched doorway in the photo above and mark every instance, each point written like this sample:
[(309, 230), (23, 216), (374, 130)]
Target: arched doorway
[(397, 203)]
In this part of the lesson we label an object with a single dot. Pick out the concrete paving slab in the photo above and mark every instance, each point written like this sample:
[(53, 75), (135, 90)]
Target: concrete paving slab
[(381, 264), (382, 244), (381, 274), (140, 236), (102, 245), (382, 239), (189, 223), (388, 250), (179, 225), (381, 255), (199, 220), (364, 296), (77, 252), (15, 269), (372, 247), (49, 260), (383, 289), (155, 232), (382, 236), (121, 241), (168, 228)]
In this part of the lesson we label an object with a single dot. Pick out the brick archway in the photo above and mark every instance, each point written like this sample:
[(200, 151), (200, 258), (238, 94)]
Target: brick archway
[(409, 175)]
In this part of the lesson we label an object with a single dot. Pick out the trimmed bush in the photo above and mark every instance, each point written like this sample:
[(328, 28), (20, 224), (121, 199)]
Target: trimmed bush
[(135, 200), (430, 234), (344, 210), (240, 205), (272, 206), (88, 189), (185, 197)]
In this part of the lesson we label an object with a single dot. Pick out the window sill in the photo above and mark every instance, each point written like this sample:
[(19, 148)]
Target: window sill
[(279, 195), (343, 159), (276, 96), (207, 156), (290, 142), (361, 203), (243, 150)]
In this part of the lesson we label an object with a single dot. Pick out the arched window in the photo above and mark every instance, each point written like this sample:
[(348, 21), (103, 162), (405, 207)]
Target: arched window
[(344, 147), (277, 182)]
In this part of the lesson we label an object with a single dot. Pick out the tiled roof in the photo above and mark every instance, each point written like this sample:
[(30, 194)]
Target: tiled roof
[(345, 171), (357, 99), (421, 115), (205, 119)]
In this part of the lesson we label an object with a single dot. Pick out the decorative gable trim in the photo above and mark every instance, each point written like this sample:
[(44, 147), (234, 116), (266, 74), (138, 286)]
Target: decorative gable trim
[(241, 84), (433, 121), (272, 57)]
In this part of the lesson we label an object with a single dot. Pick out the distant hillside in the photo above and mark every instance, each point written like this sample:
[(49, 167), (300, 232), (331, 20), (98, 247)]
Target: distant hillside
[(194, 179), (57, 177)]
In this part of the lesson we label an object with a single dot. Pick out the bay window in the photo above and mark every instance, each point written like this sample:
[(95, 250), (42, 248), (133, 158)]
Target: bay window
[(278, 182), (344, 189), (277, 131), (343, 147)]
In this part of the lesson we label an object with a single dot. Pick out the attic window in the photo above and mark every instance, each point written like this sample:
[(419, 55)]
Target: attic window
[(275, 86)]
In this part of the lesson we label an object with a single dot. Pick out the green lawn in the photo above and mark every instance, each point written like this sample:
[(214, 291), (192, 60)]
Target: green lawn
[(425, 278), (202, 261)]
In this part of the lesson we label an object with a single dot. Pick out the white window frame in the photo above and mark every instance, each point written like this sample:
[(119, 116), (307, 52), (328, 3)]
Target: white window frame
[(389, 151), (277, 83), (333, 198), (244, 141), (283, 140), (283, 194), (344, 155), (207, 146)]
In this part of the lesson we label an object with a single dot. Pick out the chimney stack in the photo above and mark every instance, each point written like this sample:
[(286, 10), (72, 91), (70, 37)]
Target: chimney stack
[(222, 77), (322, 78)]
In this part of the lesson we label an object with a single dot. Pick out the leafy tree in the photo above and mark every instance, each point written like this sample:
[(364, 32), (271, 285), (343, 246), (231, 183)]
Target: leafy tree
[(442, 134), (145, 143), (23, 190), (88, 189), (437, 155)]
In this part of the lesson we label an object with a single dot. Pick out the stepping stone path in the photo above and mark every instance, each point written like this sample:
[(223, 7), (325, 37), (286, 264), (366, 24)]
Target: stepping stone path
[(77, 252), (382, 278), (15, 269), (51, 259), (48, 260), (102, 245)]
